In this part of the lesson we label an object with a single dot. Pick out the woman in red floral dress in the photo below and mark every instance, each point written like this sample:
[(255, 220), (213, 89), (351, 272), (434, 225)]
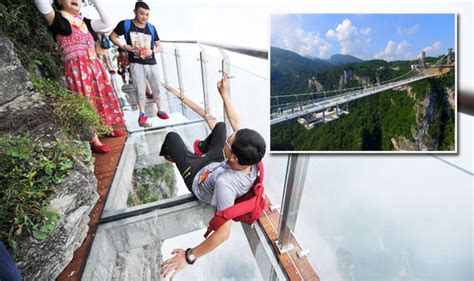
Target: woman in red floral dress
[(84, 71)]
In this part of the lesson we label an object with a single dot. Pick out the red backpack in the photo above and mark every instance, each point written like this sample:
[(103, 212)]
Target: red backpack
[(248, 208)]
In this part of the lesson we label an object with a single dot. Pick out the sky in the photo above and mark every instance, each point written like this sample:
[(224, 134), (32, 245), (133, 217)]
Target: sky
[(366, 36)]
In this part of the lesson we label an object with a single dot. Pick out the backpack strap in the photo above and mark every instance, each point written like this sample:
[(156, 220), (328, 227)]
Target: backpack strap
[(232, 212), (152, 31), (260, 172), (126, 28), (238, 209)]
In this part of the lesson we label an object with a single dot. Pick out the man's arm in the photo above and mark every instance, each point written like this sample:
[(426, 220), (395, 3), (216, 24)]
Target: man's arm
[(149, 52), (157, 46), (178, 262), (114, 38), (211, 120), (229, 108)]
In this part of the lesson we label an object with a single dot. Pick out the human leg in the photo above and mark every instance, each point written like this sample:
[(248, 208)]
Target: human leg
[(153, 78), (149, 92), (188, 164), (138, 73), (214, 143), (8, 269), (97, 146), (109, 63)]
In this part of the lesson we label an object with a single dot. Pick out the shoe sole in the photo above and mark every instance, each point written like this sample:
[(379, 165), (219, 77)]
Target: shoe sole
[(145, 125)]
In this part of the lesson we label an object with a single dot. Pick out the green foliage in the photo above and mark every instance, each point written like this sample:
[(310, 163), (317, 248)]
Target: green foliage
[(25, 27), (29, 172), (339, 59), (442, 127), (73, 111), (290, 72), (374, 121), (153, 183), (421, 89)]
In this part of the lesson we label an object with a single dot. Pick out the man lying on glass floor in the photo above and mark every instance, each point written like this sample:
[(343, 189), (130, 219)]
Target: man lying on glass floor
[(225, 172)]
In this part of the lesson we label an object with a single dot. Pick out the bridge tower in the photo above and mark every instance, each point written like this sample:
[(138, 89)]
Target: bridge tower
[(450, 56), (421, 63)]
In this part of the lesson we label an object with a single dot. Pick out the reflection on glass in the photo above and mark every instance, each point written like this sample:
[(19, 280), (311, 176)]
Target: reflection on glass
[(233, 260), (385, 218), (153, 183), (154, 178)]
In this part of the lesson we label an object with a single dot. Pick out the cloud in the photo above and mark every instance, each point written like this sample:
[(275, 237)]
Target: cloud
[(433, 48), (352, 39), (366, 31), (408, 30), (394, 51), (287, 33)]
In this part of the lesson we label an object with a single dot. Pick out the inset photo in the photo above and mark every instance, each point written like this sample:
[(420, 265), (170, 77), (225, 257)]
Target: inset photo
[(349, 83)]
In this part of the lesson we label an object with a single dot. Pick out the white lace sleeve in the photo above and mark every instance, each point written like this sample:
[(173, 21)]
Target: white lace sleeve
[(103, 24)]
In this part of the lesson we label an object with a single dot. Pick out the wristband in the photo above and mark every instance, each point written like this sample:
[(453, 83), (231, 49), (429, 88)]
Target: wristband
[(190, 259)]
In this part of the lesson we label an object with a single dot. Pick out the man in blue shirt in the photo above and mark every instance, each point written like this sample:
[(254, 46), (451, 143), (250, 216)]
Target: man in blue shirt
[(142, 43)]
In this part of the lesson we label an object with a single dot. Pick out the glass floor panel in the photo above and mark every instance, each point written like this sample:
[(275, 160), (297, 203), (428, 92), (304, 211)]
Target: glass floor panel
[(143, 176), (154, 178), (232, 261), (171, 105)]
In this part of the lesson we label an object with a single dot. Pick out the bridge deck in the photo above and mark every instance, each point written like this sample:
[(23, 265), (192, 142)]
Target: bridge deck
[(295, 112), (105, 166)]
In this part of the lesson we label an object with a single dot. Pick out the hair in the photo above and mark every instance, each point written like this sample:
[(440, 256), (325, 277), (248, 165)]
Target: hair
[(249, 147), (141, 4), (57, 5)]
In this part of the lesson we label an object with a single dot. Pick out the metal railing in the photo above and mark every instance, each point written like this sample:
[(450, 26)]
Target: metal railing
[(225, 66), (257, 53)]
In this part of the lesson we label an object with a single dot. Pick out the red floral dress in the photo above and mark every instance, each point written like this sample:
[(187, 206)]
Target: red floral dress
[(86, 74)]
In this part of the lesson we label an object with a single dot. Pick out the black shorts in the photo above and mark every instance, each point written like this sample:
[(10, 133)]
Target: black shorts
[(187, 162)]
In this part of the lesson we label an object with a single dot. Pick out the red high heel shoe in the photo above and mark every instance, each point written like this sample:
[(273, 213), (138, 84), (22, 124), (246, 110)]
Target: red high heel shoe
[(102, 149), (117, 133)]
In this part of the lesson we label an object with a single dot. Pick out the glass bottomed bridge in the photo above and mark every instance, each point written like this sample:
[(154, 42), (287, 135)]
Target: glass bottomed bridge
[(359, 217), (149, 210)]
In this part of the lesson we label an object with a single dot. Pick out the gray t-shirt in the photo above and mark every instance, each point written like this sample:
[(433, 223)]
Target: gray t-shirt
[(222, 185)]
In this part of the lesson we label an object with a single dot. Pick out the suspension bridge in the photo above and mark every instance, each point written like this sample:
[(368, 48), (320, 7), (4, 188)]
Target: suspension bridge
[(312, 108)]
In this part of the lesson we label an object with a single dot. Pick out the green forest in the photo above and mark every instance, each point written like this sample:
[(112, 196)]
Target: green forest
[(373, 121), (152, 183)]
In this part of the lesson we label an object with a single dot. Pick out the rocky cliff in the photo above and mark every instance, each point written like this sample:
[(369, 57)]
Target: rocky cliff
[(22, 110), (435, 105)]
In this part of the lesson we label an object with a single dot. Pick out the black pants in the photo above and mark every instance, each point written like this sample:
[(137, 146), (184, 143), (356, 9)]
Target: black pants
[(187, 162)]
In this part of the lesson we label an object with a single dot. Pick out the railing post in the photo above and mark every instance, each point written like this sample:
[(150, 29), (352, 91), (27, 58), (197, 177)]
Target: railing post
[(225, 68), (163, 66), (180, 76), (205, 88), (165, 74), (293, 191)]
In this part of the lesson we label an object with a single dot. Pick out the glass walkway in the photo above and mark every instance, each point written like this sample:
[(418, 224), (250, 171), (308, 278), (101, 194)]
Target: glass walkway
[(344, 217)]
